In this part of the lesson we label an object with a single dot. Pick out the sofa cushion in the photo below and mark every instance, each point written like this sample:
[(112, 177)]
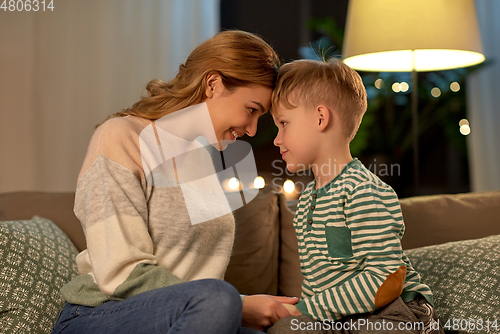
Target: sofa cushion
[(253, 267), (265, 256), (36, 260), (464, 277), (436, 219), (290, 276)]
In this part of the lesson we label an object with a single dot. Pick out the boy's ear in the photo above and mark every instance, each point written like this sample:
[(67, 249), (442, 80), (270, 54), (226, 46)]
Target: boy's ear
[(323, 114)]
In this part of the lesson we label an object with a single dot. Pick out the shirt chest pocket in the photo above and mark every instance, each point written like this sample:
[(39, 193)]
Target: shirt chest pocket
[(339, 243)]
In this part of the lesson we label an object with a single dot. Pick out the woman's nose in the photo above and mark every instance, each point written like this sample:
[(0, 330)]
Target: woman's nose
[(251, 128)]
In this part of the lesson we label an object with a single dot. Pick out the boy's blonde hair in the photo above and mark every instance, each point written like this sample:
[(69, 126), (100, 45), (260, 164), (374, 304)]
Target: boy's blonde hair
[(310, 83)]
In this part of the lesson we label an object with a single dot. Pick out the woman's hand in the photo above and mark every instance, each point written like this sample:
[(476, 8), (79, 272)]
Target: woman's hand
[(261, 311)]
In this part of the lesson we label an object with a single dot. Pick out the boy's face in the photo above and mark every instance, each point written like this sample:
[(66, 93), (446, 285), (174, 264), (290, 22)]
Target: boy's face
[(297, 137)]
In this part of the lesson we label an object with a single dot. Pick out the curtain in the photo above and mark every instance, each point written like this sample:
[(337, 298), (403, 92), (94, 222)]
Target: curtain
[(64, 71), (484, 104)]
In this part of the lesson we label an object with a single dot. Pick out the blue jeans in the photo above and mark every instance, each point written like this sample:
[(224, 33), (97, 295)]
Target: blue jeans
[(204, 306)]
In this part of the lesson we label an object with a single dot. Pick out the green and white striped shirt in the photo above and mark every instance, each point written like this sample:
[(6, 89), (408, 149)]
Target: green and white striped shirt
[(349, 234)]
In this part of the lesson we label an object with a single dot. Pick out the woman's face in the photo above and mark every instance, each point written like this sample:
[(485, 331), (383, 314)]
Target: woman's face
[(235, 113)]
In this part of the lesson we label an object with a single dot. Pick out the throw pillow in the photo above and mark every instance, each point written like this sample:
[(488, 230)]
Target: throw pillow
[(464, 277), (36, 260)]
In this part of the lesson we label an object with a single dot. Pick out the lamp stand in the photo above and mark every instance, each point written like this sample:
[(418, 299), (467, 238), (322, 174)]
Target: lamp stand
[(414, 114)]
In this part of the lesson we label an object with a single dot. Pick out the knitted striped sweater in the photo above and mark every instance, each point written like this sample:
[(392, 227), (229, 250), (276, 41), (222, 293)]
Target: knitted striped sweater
[(349, 234), (139, 235)]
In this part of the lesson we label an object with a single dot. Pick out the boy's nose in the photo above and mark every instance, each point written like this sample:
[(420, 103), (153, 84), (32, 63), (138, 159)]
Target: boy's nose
[(277, 140)]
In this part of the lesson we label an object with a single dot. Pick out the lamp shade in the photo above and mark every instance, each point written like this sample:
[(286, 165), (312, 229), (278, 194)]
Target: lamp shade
[(407, 35)]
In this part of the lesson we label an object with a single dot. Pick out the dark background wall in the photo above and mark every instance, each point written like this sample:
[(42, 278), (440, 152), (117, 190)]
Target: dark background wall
[(443, 152), (282, 23)]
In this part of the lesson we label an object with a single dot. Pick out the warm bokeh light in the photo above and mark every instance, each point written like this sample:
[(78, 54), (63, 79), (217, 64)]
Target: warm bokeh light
[(259, 182), (396, 87), (465, 129), (463, 122), (234, 183), (455, 86), (289, 186), (436, 92), (404, 87), (379, 83)]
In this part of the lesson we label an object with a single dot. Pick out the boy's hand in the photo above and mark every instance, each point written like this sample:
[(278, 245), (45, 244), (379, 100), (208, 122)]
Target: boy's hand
[(292, 309), (261, 311)]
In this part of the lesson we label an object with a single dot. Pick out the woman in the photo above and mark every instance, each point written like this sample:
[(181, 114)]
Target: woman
[(148, 268)]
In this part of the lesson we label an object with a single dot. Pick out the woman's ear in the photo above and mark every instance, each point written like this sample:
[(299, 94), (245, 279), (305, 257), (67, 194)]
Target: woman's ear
[(212, 80), (323, 114)]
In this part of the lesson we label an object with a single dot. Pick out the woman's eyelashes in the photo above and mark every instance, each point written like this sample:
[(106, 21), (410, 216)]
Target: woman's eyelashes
[(252, 110)]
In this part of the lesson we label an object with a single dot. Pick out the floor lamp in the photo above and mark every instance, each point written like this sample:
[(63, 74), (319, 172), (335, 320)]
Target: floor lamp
[(411, 36)]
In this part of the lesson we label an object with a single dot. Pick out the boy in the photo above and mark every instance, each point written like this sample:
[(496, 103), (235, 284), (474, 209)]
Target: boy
[(348, 222)]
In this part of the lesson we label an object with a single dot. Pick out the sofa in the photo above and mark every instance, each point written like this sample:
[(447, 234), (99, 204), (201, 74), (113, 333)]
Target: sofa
[(452, 240)]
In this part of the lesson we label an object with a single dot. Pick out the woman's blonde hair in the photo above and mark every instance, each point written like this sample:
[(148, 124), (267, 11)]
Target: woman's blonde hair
[(240, 58)]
